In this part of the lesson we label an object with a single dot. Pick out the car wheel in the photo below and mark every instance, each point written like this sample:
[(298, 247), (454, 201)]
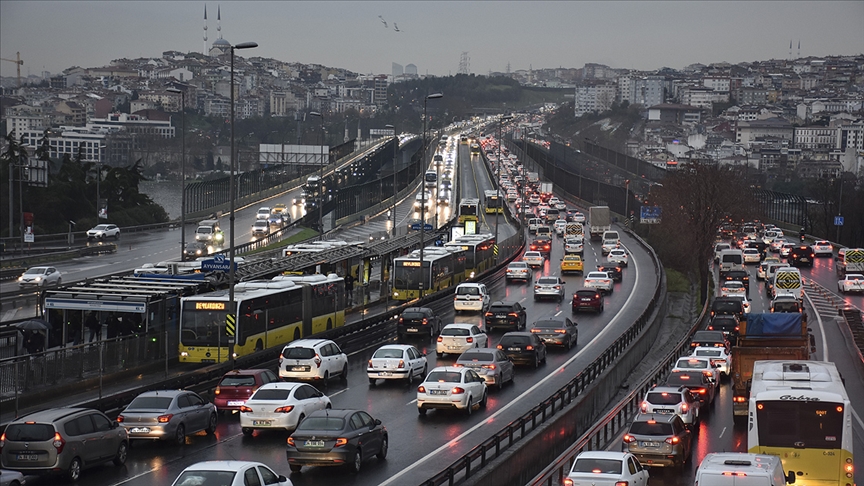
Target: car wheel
[(295, 468), (569, 343), (122, 452), (373, 381), (74, 471), (382, 454), (180, 435), (343, 377), (59, 281), (421, 410), (247, 431), (544, 358), (117, 236), (483, 401), (211, 426), (500, 383), (439, 353), (536, 361), (425, 368), (356, 462), (470, 406), (410, 379)]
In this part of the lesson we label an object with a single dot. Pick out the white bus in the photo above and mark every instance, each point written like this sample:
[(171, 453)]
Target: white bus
[(800, 412)]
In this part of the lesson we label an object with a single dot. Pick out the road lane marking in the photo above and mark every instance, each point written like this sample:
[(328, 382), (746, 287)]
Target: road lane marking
[(412, 402), (721, 433), (558, 313), (524, 394), (338, 392)]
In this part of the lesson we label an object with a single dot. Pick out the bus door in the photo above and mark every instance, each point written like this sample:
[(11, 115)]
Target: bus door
[(308, 311)]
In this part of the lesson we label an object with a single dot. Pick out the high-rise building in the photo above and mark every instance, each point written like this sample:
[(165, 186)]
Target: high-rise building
[(397, 70)]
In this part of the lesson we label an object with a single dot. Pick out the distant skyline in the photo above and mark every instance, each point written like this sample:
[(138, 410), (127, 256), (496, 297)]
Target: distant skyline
[(643, 35)]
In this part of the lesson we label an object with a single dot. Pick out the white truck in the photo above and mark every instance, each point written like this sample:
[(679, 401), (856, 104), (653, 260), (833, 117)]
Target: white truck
[(599, 221), (545, 190), (208, 231)]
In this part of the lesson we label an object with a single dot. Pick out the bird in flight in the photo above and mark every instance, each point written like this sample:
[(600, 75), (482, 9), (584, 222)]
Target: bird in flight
[(383, 21), (396, 27)]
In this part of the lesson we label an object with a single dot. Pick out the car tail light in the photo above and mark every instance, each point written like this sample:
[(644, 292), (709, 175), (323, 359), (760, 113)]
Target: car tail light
[(245, 409), (290, 441), (529, 348), (458, 365), (489, 314), (401, 320), (421, 389), (401, 363), (440, 339), (317, 360), (536, 287), (629, 438), (673, 440), (469, 339), (286, 409), (280, 358), (2, 441), (557, 287), (702, 391), (568, 482), (425, 321), (120, 420), (561, 331), (644, 406), (164, 419), (370, 363), (341, 441), (513, 314), (58, 442), (739, 399), (736, 328), (457, 390), (685, 407), (499, 347)]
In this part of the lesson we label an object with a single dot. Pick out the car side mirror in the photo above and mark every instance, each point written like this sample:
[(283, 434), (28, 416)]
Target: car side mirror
[(377, 422), (114, 424)]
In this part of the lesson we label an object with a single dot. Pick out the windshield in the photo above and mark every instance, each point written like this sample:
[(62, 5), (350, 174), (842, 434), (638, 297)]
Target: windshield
[(388, 353), (800, 424), (708, 353), (407, 278), (35, 271), (101, 227), (202, 327), (204, 230), (547, 281), (455, 331), (468, 291), (695, 364), (648, 428), (663, 398), (597, 466)]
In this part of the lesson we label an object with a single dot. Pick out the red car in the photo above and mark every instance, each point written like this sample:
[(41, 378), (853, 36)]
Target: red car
[(238, 385), (588, 299), (542, 245)]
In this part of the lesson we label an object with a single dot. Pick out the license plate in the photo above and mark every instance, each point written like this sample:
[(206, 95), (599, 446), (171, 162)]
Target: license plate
[(437, 392), (27, 457), (413, 330), (235, 403), (650, 444), (501, 316), (514, 349), (453, 347), (139, 430), (262, 422), (585, 299), (664, 410), (298, 368), (385, 373), (314, 443), (805, 259)]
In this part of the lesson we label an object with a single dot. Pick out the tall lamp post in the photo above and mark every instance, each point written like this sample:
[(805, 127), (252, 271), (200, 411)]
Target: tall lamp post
[(320, 179), (498, 181), (395, 191), (182, 171), (232, 311), (627, 202), (433, 96)]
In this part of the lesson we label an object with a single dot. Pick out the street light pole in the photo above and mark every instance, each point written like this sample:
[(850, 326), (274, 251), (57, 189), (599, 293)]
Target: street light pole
[(423, 197), (498, 183), (627, 202), (232, 310), (320, 179), (395, 157), (183, 170)]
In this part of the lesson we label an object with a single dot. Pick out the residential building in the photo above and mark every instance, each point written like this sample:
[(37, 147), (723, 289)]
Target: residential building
[(773, 128), (594, 98), (815, 137)]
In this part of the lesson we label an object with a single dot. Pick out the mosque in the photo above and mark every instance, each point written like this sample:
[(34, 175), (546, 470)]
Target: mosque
[(220, 47)]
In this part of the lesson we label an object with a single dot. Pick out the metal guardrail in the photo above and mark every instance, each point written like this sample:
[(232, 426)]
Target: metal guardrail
[(619, 416), (12, 244)]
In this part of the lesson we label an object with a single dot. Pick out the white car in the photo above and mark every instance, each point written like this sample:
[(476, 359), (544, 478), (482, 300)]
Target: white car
[(573, 244), (9, 477), (230, 473), (606, 468), (396, 362), (777, 243), (691, 363), (553, 201), (280, 406), (102, 231), (456, 338), (719, 357), (786, 249), (853, 282), (39, 277), (609, 245), (733, 288), (719, 248), (471, 297), (533, 258), (534, 200), (600, 281), (533, 224), (745, 302), (313, 360), (751, 255), (561, 206), (263, 213), (518, 271), (618, 256), (823, 248), (578, 217), (669, 400), (560, 226), (449, 387)]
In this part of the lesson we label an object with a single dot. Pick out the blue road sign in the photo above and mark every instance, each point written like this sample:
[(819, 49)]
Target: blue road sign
[(838, 220), (416, 226), (217, 264), (650, 214)]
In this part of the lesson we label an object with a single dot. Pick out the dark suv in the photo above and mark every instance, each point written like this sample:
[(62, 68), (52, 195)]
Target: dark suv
[(589, 299), (699, 383), (727, 324), (510, 315), (62, 440), (658, 440), (728, 305), (418, 321), (614, 271), (801, 255), (523, 347), (737, 275), (709, 339)]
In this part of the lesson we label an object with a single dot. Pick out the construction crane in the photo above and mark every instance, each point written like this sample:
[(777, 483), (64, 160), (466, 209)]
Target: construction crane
[(17, 61)]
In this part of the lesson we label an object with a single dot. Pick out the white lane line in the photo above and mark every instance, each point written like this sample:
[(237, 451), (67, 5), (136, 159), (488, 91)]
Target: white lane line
[(721, 433), (857, 418), (526, 393), (558, 313), (412, 402), (821, 328), (338, 392)]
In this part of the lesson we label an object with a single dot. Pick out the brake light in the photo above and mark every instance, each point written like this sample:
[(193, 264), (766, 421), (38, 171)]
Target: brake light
[(440, 339), (529, 348), (561, 331), (217, 391), (280, 358), (621, 483), (370, 363), (702, 391), (734, 473), (290, 441), (685, 407), (120, 420), (710, 328), (489, 314), (629, 438), (58, 442), (401, 363), (644, 406), (341, 441), (245, 409), (286, 409), (739, 399), (164, 419), (499, 347), (401, 320), (513, 314), (568, 482), (489, 366), (425, 321), (317, 360), (2, 441), (673, 440), (421, 389), (457, 390)]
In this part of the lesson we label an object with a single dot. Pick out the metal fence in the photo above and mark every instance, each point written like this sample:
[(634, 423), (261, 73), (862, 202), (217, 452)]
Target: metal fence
[(637, 167)]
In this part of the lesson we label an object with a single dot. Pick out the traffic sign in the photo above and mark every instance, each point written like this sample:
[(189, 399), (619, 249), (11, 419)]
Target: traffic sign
[(230, 325), (650, 214), (416, 226), (838, 220), (217, 264)]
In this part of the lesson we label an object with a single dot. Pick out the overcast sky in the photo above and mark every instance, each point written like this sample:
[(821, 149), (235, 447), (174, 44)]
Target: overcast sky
[(54, 35)]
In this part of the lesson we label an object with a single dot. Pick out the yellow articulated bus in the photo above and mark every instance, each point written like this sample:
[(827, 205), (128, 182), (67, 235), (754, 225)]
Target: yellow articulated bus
[(469, 210), (800, 412), (479, 252), (494, 201), (268, 313), (441, 268)]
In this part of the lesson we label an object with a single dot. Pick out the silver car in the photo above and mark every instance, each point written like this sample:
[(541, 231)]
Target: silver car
[(491, 364), (549, 287), (168, 415)]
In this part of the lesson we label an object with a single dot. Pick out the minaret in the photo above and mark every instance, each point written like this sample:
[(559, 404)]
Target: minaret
[(219, 23), (799, 49), (205, 30), (345, 137), (790, 49)]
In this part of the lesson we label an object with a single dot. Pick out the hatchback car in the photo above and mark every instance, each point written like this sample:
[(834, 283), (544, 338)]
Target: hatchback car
[(471, 297), (313, 360), (709, 339), (524, 348), (549, 288), (418, 321), (801, 255), (557, 331), (237, 386), (699, 363), (491, 364), (851, 282), (719, 358), (62, 440), (618, 257), (599, 281), (506, 314), (587, 299), (337, 438), (396, 362), (733, 288), (451, 387), (39, 277), (701, 384), (614, 271), (574, 244), (168, 415), (518, 271), (572, 264), (281, 406), (823, 248), (672, 400), (533, 258), (609, 245), (542, 245), (260, 228), (606, 467), (103, 231), (230, 473), (659, 440), (456, 338)]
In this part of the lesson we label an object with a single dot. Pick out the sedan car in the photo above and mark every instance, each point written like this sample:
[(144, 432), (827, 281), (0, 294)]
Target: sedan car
[(39, 277), (573, 244), (702, 385), (852, 282), (281, 406), (823, 248), (396, 362), (523, 347), (733, 288), (541, 244), (168, 415), (491, 364), (609, 245), (751, 256), (337, 438), (456, 338), (451, 387), (587, 299), (102, 231), (230, 473), (557, 331), (606, 467), (237, 386), (572, 263), (518, 271), (533, 258), (599, 281), (534, 199), (618, 256), (720, 358), (549, 288)]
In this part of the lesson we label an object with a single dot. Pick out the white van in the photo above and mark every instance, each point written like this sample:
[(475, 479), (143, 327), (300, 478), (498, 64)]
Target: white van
[(719, 248), (611, 235), (787, 281), (731, 260), (742, 469)]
